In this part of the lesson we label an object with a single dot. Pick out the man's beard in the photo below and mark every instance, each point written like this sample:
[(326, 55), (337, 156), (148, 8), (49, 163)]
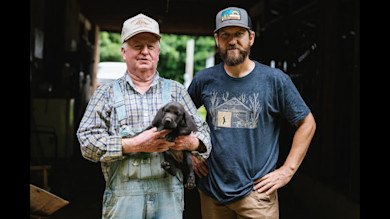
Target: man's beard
[(230, 60)]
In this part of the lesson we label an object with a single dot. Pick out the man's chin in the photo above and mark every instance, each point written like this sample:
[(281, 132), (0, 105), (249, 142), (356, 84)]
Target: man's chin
[(233, 57), (144, 66), (233, 53), (231, 61)]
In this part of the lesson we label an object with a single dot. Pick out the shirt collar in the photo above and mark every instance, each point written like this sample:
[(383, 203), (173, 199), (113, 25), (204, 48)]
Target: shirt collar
[(155, 80)]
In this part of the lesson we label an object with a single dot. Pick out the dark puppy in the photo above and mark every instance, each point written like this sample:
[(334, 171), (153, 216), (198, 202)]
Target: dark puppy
[(173, 116)]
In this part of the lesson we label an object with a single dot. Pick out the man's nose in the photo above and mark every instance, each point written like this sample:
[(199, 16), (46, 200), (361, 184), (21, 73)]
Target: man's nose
[(232, 41), (144, 49)]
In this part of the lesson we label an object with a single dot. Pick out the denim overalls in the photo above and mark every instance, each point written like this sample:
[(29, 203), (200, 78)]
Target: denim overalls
[(138, 187)]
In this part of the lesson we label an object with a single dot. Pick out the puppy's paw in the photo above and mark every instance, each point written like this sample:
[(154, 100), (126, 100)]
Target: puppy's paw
[(166, 165), (190, 184), (170, 138), (171, 169)]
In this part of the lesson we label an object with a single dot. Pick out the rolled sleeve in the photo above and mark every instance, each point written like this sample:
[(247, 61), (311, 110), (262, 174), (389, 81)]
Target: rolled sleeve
[(107, 149), (204, 136), (96, 143)]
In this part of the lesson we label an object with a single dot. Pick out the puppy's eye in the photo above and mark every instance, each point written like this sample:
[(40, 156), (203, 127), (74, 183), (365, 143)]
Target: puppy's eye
[(176, 113)]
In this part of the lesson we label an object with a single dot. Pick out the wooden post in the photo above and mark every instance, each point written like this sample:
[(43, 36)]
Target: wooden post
[(189, 62)]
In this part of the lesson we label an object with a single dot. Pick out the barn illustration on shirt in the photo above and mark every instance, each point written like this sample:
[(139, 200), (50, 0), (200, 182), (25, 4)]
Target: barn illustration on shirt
[(235, 112)]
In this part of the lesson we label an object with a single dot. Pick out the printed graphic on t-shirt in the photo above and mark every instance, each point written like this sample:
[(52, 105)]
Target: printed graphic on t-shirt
[(229, 111)]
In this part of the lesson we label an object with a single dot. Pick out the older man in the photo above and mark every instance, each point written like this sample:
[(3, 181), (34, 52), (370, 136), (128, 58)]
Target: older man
[(112, 131), (245, 102)]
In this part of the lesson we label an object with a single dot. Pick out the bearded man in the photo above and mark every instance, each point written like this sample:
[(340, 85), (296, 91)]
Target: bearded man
[(245, 102)]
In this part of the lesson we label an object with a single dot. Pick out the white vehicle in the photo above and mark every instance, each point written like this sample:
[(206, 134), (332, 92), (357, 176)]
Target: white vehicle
[(109, 71)]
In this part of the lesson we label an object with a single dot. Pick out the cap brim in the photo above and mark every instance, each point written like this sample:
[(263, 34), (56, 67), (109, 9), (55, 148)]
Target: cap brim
[(232, 25), (141, 31)]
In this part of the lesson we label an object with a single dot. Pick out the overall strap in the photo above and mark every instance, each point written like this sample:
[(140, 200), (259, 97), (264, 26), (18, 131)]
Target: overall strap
[(119, 101), (166, 92)]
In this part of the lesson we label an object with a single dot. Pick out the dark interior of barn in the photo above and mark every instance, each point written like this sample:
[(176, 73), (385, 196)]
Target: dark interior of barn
[(315, 42)]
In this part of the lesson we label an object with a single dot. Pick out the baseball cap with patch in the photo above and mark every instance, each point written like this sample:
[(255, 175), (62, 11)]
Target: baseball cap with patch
[(232, 16), (139, 24)]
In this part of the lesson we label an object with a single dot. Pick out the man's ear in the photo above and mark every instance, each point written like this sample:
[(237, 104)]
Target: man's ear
[(123, 51), (252, 37), (216, 39)]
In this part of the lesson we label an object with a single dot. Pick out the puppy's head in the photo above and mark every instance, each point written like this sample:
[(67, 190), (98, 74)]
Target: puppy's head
[(174, 116), (173, 113)]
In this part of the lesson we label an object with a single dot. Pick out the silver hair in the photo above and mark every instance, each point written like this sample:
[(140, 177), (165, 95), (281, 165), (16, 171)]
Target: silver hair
[(125, 45)]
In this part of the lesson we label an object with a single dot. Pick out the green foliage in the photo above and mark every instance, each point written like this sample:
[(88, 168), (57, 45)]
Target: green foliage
[(204, 47), (172, 54), (110, 47), (202, 112)]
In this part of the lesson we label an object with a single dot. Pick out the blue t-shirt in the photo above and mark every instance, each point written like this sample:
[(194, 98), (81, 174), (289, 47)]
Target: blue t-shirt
[(244, 115)]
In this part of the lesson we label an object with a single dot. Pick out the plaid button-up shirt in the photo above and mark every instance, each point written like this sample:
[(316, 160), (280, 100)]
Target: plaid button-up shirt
[(98, 133)]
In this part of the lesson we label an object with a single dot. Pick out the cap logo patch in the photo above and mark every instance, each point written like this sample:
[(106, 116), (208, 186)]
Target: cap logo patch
[(231, 14), (141, 22)]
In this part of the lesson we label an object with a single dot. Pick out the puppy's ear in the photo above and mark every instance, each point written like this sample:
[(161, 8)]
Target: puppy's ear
[(157, 121), (188, 123)]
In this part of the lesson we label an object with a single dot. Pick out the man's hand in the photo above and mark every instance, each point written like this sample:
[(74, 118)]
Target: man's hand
[(200, 167), (186, 142), (148, 141), (273, 180)]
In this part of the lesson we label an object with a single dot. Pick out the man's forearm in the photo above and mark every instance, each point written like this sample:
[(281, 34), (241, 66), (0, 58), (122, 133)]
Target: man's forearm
[(301, 142), (280, 177)]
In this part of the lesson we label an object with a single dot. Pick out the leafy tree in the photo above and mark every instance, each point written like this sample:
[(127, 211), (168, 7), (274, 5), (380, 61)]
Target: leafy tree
[(172, 55), (110, 47)]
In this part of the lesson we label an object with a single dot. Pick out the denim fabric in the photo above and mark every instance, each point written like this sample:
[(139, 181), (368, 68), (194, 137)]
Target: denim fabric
[(151, 199)]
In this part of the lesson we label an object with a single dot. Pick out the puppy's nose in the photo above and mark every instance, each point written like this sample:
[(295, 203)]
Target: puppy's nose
[(168, 121)]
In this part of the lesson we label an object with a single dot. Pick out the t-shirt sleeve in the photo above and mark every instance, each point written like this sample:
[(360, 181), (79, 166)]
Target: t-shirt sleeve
[(293, 106), (195, 92)]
